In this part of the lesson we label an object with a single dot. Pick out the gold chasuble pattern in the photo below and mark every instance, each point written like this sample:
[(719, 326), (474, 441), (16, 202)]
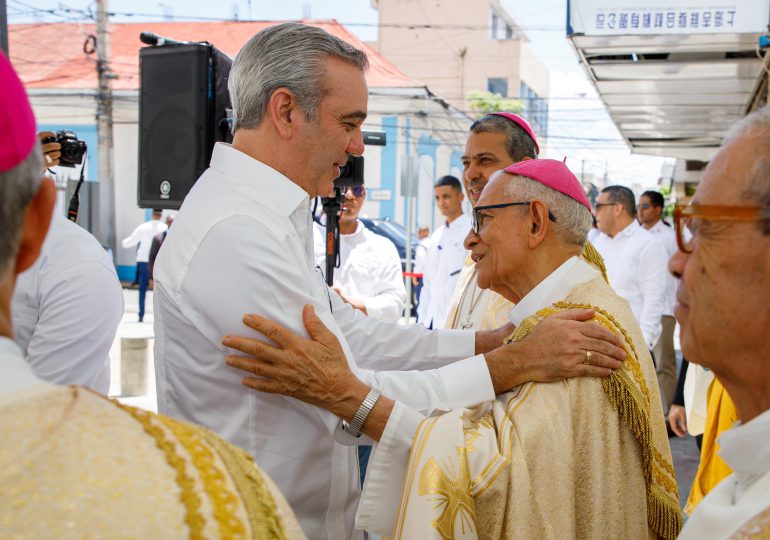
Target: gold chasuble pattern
[(83, 466), (581, 458)]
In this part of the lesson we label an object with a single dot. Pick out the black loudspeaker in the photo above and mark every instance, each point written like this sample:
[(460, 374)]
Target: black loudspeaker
[(183, 107)]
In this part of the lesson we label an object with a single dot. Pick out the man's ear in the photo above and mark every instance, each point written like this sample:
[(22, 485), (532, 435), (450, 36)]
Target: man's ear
[(37, 218), (540, 224), (282, 108)]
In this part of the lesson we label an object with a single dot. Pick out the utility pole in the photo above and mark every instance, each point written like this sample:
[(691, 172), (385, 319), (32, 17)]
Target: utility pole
[(3, 27), (105, 219)]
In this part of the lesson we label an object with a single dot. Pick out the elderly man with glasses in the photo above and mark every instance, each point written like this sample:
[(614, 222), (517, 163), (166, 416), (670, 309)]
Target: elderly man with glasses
[(722, 305), (581, 458)]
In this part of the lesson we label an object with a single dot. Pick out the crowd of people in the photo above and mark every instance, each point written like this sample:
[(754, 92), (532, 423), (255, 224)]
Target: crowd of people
[(528, 404)]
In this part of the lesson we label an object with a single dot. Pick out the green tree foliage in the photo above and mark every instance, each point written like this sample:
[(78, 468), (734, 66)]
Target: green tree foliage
[(482, 103)]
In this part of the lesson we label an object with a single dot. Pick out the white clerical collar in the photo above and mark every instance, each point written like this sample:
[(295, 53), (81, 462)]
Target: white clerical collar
[(744, 447), (16, 372), (559, 283)]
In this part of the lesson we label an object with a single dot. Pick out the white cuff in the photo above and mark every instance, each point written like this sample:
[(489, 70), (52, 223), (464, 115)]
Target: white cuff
[(381, 497), (467, 382), (456, 343)]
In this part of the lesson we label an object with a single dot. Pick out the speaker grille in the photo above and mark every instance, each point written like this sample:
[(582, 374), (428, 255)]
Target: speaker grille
[(175, 122)]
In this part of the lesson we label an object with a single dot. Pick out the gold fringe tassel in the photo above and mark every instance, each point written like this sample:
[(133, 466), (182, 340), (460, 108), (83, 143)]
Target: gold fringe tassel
[(664, 517), (591, 255)]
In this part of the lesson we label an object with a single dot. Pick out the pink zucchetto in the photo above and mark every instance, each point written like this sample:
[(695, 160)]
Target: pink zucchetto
[(552, 173), (17, 136), (523, 124)]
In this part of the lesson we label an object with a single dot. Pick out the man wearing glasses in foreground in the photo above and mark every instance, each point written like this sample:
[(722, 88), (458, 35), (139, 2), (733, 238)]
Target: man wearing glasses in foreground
[(581, 458), (722, 306)]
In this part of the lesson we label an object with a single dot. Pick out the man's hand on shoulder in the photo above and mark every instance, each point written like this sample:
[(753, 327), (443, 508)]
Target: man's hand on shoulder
[(555, 350), (487, 340)]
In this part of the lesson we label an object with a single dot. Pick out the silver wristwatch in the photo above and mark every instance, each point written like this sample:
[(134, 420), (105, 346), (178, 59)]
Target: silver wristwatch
[(354, 426)]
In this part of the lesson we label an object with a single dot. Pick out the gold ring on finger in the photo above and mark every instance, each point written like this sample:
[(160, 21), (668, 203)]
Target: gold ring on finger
[(587, 361)]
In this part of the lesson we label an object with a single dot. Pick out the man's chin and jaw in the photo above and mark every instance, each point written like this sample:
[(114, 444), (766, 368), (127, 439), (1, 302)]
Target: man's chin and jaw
[(325, 143)]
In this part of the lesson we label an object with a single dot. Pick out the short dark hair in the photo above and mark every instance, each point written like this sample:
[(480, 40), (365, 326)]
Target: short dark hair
[(157, 211), (450, 181), (656, 199), (517, 142), (622, 196)]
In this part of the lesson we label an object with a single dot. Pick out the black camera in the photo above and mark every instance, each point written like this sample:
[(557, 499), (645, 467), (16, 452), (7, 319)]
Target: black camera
[(351, 174), (72, 150)]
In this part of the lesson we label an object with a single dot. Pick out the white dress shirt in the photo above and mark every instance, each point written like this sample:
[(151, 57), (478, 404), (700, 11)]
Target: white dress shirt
[(667, 236), (370, 270), (742, 495), (18, 376), (66, 308), (143, 236), (242, 243), (637, 267), (381, 498), (443, 264)]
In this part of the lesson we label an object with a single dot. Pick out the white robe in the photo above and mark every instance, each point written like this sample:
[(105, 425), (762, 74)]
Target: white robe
[(742, 495)]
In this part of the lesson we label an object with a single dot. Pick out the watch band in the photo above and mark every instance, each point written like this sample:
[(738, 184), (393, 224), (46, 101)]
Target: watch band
[(354, 426)]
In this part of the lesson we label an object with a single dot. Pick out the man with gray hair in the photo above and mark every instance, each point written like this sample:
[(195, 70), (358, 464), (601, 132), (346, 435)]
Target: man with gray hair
[(635, 260), (75, 464), (581, 458), (242, 243)]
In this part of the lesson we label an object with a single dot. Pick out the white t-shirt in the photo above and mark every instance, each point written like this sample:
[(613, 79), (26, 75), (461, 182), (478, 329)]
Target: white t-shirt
[(66, 308), (143, 236), (667, 236), (370, 270), (443, 264), (637, 267)]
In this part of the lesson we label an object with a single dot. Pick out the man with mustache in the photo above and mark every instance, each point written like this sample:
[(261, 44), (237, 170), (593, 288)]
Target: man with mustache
[(494, 142)]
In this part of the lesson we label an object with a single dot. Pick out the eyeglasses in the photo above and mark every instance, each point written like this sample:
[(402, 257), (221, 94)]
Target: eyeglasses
[(691, 218), (358, 191), (645, 206), (477, 221), (599, 205)]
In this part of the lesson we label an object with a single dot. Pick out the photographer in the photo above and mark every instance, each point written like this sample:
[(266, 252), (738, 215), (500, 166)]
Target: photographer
[(67, 306), (369, 276)]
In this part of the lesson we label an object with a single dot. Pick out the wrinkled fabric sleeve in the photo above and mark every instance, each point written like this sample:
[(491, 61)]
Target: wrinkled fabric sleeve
[(383, 345), (653, 272), (388, 303), (381, 496), (80, 310)]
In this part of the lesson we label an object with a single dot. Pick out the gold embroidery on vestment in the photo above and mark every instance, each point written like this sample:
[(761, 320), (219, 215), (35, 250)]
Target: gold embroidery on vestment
[(190, 499), (452, 494)]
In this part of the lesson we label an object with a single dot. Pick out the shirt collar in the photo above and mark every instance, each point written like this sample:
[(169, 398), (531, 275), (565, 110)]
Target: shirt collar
[(457, 221), (359, 230), (744, 447), (559, 283), (258, 180), (17, 373), (628, 230)]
